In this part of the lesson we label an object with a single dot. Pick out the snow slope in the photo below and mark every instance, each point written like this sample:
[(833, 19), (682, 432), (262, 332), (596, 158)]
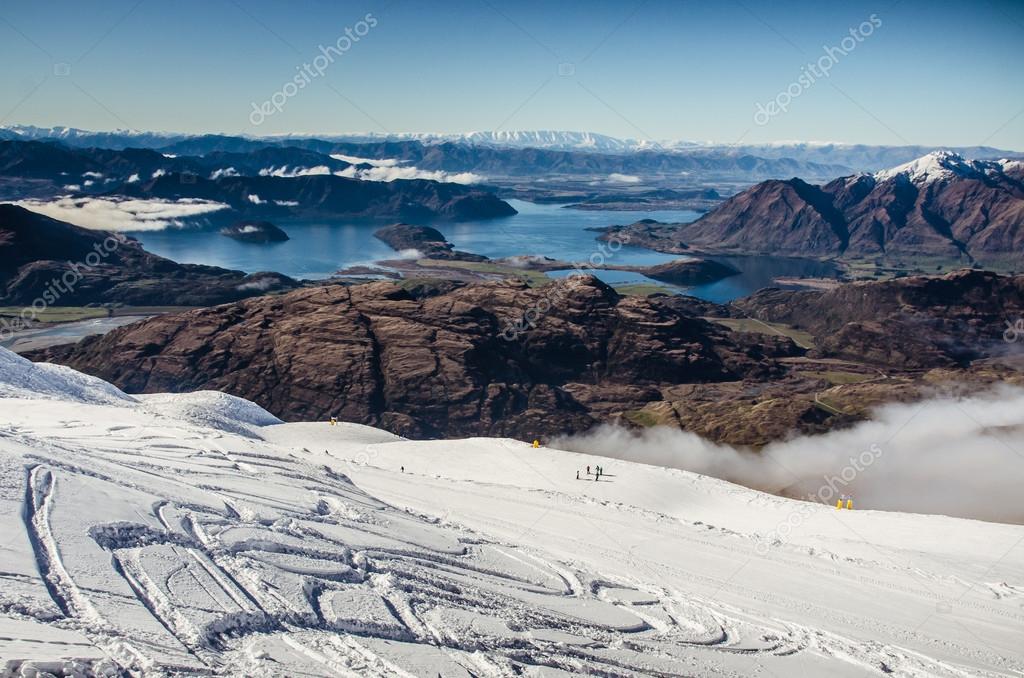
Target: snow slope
[(195, 534), (946, 165)]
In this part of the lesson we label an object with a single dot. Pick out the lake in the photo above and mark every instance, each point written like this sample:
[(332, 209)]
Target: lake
[(318, 248)]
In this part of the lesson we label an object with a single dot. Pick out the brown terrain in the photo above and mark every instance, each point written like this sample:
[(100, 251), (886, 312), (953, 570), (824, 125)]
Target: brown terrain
[(447, 359), (940, 206), (92, 267)]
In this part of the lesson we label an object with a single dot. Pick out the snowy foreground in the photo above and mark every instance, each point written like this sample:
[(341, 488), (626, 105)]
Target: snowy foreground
[(196, 534)]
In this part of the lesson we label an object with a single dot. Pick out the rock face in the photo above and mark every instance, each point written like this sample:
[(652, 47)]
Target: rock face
[(260, 232), (684, 271), (429, 241), (433, 362), (909, 323), (65, 265), (937, 206)]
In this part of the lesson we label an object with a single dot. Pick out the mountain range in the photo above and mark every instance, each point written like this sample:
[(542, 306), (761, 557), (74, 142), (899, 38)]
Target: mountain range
[(855, 157), (45, 260), (267, 182), (940, 205)]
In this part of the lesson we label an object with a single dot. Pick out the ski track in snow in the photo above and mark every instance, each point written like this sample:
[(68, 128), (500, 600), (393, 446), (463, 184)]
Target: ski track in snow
[(195, 535)]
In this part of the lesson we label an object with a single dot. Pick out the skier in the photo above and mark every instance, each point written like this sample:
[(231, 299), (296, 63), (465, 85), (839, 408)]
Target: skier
[(577, 474), (588, 470), (403, 469)]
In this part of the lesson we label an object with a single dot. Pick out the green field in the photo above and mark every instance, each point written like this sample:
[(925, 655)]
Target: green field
[(838, 378), (640, 289), (802, 339), (55, 314), (644, 418), (532, 278)]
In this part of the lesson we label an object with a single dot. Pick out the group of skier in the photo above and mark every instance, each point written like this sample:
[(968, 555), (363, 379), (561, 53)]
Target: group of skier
[(598, 471)]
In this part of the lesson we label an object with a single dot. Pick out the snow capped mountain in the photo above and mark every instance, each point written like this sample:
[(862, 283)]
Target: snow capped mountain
[(958, 209), (939, 165), (844, 157), (555, 140), (562, 141), (73, 136)]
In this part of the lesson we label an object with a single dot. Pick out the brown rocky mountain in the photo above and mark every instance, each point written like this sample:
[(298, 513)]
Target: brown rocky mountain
[(938, 206), (430, 242), (431, 362), (451, 359), (912, 323), (65, 265), (690, 271)]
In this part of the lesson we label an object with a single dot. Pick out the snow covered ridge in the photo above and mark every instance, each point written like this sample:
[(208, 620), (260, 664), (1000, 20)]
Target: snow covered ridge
[(945, 165), (173, 534)]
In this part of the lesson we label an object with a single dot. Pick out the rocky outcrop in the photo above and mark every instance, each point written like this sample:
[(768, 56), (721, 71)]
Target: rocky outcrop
[(65, 265), (684, 271), (913, 322), (938, 206), (425, 240), (259, 232), (448, 360)]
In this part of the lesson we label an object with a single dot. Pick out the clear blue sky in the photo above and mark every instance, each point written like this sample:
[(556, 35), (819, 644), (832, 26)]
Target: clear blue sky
[(934, 72)]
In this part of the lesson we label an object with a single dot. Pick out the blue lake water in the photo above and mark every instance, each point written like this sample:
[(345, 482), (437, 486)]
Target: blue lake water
[(319, 248)]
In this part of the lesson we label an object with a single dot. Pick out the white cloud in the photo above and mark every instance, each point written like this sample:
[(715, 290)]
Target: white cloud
[(355, 160), (159, 173), (224, 172), (133, 178), (287, 203), (92, 175), (255, 199), (617, 178), (285, 171), (954, 457), (110, 214), (260, 284), (394, 173)]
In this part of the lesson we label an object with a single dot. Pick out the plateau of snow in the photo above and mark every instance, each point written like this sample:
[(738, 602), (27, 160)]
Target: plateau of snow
[(196, 534)]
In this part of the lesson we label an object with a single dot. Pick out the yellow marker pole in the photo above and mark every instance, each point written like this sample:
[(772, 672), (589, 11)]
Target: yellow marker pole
[(536, 443), (849, 504), (839, 504)]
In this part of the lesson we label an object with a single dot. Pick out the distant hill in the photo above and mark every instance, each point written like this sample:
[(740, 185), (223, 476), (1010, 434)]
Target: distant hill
[(98, 267), (939, 205)]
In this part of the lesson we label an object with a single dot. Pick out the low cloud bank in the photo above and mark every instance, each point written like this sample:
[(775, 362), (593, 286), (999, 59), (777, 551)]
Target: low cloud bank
[(381, 171), (113, 214), (393, 173), (957, 457), (355, 160)]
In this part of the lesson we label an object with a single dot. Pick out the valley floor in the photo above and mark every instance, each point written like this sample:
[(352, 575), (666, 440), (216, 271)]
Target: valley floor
[(195, 534)]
